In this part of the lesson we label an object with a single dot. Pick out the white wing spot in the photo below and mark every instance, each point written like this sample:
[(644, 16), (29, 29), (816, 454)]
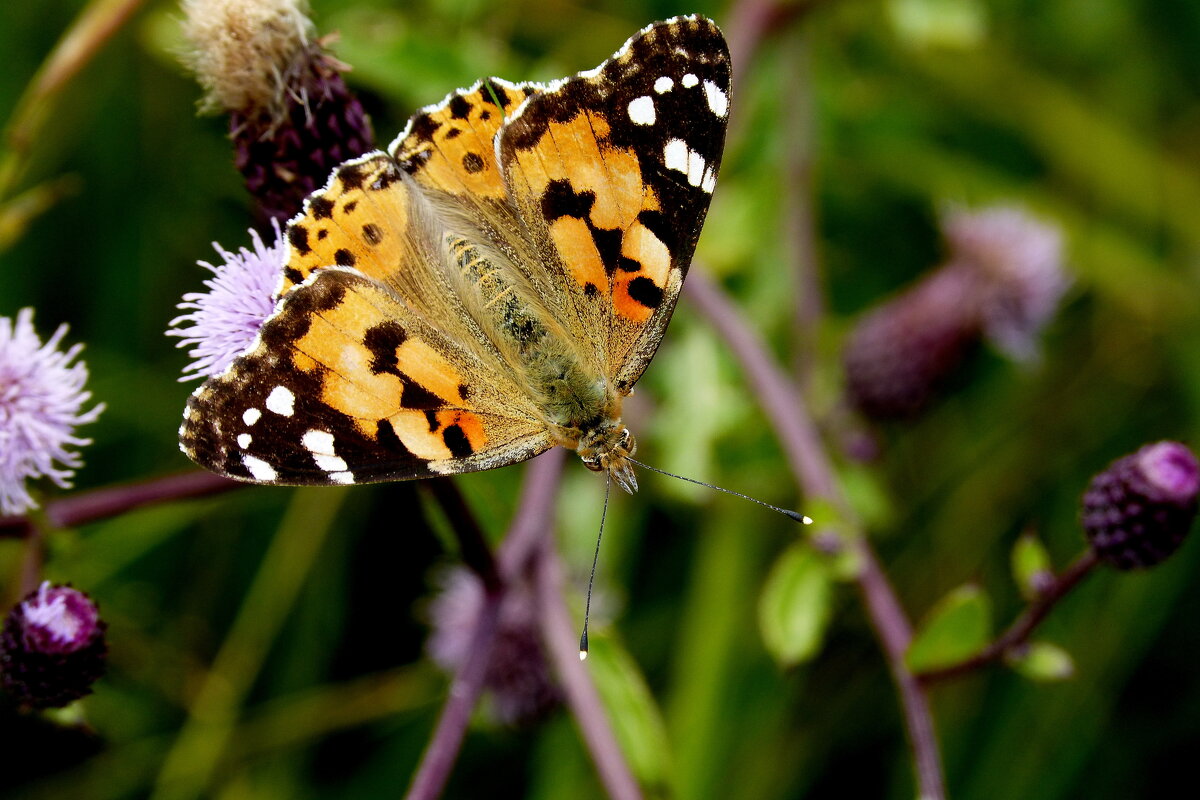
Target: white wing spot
[(281, 401), (251, 416), (244, 440), (342, 477), (259, 469), (695, 170), (675, 155), (681, 158), (664, 85), (689, 81), (641, 110), (332, 464), (718, 101), (318, 442)]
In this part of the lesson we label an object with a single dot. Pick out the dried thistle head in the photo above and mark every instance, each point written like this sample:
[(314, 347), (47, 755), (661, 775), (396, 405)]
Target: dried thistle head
[(291, 116), (243, 51)]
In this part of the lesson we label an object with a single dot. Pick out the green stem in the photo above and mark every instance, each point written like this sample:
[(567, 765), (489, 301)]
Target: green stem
[(189, 767)]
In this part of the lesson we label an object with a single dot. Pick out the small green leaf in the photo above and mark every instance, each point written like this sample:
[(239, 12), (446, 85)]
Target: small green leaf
[(636, 720), (1031, 566), (958, 627), (794, 608), (1043, 662), (939, 23)]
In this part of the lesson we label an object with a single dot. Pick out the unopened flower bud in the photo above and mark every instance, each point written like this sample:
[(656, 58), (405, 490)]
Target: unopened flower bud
[(52, 648), (1137, 512), (292, 117)]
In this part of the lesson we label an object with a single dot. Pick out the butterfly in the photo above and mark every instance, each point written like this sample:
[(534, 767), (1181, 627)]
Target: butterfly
[(490, 287)]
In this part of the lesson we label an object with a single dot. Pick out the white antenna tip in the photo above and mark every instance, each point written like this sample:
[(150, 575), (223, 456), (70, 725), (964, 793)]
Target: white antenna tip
[(583, 655), (807, 520)]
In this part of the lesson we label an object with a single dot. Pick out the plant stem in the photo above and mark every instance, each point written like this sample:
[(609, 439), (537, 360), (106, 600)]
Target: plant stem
[(814, 474), (562, 641), (472, 544), (527, 546), (90, 31), (442, 751), (83, 507), (190, 767), (1018, 633)]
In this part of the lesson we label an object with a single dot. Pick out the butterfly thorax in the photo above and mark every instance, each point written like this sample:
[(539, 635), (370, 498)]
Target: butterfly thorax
[(581, 408)]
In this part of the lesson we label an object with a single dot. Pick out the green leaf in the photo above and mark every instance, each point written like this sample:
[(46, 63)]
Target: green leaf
[(794, 609), (939, 23), (1031, 566), (636, 720), (958, 627), (1043, 662)]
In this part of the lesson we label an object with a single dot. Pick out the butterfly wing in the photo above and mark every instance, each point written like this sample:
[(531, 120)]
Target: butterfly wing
[(345, 385), (611, 172)]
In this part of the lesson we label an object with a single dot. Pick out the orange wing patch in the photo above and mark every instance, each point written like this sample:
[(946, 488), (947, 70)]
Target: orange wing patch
[(595, 200), (359, 220), (451, 146)]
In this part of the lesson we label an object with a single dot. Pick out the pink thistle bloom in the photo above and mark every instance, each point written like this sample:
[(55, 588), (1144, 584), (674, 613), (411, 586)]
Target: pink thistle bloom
[(41, 402), (221, 323)]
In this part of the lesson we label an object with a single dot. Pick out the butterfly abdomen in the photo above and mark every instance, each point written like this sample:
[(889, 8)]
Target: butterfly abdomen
[(571, 395)]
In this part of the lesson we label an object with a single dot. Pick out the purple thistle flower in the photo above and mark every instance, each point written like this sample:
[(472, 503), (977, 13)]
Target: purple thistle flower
[(41, 397), (1137, 512), (1002, 282), (222, 322), (1018, 262), (518, 675), (52, 648)]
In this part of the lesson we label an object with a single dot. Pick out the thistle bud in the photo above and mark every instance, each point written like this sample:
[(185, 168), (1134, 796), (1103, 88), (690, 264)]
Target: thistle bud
[(52, 648), (900, 356), (1002, 282), (292, 117), (1137, 512)]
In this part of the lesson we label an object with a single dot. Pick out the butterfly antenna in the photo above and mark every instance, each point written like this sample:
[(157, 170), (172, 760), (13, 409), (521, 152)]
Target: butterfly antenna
[(795, 515), (587, 608)]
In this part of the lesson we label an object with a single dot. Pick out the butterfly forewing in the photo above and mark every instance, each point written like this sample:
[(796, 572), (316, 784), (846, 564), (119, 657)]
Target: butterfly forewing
[(613, 170)]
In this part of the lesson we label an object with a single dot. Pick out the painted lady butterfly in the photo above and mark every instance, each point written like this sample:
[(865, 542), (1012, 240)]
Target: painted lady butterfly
[(490, 287)]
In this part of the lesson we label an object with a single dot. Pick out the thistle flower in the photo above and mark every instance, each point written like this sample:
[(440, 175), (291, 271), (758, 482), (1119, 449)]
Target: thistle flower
[(1137, 512), (41, 404), (902, 354), (1017, 260), (518, 676), (1002, 282), (52, 648), (292, 118), (222, 322)]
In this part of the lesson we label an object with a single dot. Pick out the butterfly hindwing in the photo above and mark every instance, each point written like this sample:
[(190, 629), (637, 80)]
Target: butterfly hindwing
[(343, 386)]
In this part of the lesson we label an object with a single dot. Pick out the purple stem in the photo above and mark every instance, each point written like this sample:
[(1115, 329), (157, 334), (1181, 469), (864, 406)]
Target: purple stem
[(1018, 633), (562, 640), (813, 472), (442, 751), (527, 545), (112, 501)]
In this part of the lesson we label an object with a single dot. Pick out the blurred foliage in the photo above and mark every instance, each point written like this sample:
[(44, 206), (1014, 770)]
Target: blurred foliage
[(873, 115)]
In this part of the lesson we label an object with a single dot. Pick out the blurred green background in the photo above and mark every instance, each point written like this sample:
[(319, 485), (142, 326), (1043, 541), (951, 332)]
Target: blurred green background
[(861, 119)]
